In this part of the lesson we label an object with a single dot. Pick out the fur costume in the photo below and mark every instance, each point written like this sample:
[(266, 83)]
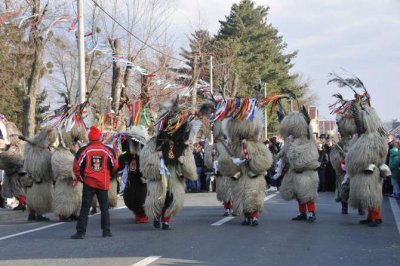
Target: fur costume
[(300, 155), (255, 160), (165, 161), (135, 191), (365, 160), (67, 189), (218, 157), (365, 164), (11, 161), (37, 163), (347, 129)]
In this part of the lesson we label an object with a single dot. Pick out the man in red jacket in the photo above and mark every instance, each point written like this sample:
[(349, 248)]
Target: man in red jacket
[(93, 165)]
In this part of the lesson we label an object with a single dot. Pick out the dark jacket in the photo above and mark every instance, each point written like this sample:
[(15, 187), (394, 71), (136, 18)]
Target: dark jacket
[(394, 161), (198, 158), (93, 165)]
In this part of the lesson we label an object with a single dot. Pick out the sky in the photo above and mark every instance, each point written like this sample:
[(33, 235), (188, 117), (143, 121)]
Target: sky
[(361, 37)]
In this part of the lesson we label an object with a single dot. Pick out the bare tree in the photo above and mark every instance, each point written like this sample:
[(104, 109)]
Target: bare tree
[(29, 107)]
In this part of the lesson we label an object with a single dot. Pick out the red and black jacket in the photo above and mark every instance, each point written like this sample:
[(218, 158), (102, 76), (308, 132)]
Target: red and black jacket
[(93, 165)]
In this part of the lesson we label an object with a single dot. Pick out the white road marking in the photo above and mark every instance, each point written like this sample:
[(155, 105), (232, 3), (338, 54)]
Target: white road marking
[(396, 212), (47, 226), (222, 221), (270, 196), (30, 231), (147, 261), (227, 219)]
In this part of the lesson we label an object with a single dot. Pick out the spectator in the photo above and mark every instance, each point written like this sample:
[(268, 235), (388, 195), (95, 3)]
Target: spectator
[(387, 184), (200, 183), (394, 164), (275, 147), (93, 165), (323, 159), (2, 200)]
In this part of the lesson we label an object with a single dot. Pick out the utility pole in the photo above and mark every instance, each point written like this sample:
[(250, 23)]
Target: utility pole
[(195, 80), (212, 93), (81, 47), (211, 75), (265, 113)]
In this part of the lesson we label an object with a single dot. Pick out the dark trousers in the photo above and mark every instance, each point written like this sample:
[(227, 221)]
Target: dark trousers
[(87, 197)]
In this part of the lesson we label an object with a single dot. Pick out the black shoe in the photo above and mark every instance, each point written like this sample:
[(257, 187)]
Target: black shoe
[(73, 217), (165, 226), (41, 218), (226, 213), (253, 221), (93, 211), (344, 211), (20, 207), (246, 221), (367, 221), (301, 217), (361, 212), (156, 223), (78, 236), (374, 223), (31, 217), (311, 217), (107, 234)]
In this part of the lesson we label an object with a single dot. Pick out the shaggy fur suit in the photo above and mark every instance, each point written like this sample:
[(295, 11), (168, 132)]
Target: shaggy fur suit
[(300, 155)]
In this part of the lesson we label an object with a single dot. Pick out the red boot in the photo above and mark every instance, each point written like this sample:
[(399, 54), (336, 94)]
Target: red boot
[(141, 219)]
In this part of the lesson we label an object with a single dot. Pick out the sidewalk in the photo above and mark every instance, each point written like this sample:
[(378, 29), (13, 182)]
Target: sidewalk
[(9, 215)]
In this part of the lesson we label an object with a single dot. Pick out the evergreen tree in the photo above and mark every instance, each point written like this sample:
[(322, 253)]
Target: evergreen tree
[(199, 49), (15, 58), (257, 49)]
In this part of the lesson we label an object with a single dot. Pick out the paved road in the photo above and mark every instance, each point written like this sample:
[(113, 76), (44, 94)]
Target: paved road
[(334, 239)]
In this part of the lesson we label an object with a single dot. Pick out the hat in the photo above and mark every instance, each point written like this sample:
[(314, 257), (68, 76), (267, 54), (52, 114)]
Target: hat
[(94, 133)]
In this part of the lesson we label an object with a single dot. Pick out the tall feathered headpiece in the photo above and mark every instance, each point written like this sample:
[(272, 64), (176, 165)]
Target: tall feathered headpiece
[(304, 112), (353, 83), (276, 104)]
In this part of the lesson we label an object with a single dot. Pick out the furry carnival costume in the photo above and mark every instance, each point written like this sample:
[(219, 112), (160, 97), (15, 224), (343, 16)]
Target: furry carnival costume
[(218, 157), (135, 190), (337, 155), (67, 188), (300, 156), (11, 161), (254, 160), (365, 160), (37, 163), (366, 166), (347, 129), (165, 161)]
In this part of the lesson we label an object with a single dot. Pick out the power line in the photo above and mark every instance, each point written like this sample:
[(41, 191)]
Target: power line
[(133, 35)]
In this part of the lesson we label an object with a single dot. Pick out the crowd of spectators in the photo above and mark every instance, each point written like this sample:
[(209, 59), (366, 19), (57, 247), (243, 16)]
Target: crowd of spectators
[(204, 175), (391, 186)]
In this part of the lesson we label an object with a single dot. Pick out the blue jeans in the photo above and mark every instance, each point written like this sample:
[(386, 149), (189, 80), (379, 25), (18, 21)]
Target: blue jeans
[(194, 185)]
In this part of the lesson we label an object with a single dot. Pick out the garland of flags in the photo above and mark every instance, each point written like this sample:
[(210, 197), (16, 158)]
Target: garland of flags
[(67, 117), (245, 108)]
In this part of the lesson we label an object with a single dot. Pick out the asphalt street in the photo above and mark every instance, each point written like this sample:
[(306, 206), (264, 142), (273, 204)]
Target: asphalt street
[(200, 235)]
